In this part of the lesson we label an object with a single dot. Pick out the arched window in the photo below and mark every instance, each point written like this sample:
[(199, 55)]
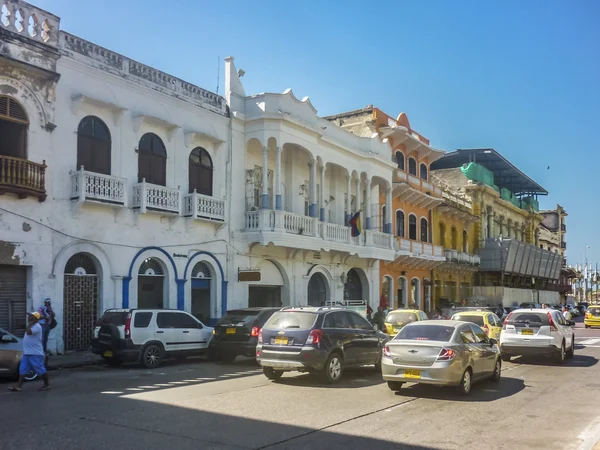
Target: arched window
[(200, 171), (399, 223), (13, 128), (442, 234), (412, 166), (152, 160), (93, 145), (412, 227), (424, 230), (423, 171), (465, 242), (453, 238), (400, 160)]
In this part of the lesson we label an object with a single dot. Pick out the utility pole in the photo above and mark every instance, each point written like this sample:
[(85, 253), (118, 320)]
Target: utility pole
[(585, 275)]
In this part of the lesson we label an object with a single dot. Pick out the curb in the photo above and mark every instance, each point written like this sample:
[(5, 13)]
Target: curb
[(71, 365)]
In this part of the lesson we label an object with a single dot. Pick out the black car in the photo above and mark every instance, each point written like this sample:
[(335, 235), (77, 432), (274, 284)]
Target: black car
[(236, 333), (322, 340)]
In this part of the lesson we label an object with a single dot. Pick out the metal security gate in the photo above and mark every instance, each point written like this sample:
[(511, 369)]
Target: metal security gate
[(13, 299), (80, 302)]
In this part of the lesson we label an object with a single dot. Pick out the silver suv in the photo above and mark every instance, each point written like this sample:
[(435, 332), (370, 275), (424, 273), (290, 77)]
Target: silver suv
[(149, 335)]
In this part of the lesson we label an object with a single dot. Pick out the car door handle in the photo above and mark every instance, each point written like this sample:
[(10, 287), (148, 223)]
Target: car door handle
[(159, 332), (186, 331)]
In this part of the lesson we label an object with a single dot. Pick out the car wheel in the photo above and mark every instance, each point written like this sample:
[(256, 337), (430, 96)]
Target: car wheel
[(152, 356), (334, 367), (561, 355), (497, 370), (395, 385), (272, 374), (465, 383), (571, 351)]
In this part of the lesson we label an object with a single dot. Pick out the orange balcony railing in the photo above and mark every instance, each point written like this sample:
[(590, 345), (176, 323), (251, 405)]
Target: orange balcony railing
[(22, 177)]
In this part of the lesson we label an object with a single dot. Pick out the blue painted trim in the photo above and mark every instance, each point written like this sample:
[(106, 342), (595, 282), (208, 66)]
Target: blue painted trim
[(265, 201), (125, 292), (224, 297), (198, 283), (312, 210), (180, 294), (278, 202), (368, 223), (223, 282), (322, 215)]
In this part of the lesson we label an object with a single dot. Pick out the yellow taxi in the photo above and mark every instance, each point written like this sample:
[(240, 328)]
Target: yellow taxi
[(487, 320), (398, 318), (592, 316)]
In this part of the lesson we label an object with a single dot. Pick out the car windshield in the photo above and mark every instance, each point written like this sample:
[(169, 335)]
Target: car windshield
[(113, 318), (533, 319), (401, 317), (478, 320), (240, 316), (425, 332), (594, 311), (282, 320)]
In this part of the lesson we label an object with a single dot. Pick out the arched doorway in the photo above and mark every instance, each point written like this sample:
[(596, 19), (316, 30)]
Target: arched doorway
[(427, 295), (202, 277), (387, 290), (402, 297), (415, 291), (317, 290), (353, 289), (80, 301), (151, 284)]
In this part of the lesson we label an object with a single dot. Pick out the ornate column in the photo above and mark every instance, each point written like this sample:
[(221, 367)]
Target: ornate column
[(265, 178), (388, 211), (368, 203), (322, 199), (278, 178), (358, 194), (348, 198), (312, 208)]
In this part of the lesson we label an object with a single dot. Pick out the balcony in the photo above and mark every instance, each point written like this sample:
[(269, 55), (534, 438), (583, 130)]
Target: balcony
[(22, 177), (97, 188), (415, 190), (204, 207), (457, 261), (149, 197), (418, 254), (563, 245), (291, 230)]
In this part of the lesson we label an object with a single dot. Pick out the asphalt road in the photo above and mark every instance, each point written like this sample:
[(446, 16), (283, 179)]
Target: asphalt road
[(195, 404)]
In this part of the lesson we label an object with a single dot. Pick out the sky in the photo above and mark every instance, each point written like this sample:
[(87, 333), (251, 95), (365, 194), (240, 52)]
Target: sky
[(522, 77)]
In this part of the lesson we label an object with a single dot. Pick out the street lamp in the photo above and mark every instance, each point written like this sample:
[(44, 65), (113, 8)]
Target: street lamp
[(585, 274)]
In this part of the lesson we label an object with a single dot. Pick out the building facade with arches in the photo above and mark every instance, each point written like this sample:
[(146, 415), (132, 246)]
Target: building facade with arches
[(115, 179)]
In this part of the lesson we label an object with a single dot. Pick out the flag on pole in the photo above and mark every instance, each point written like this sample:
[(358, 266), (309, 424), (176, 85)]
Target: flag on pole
[(355, 224)]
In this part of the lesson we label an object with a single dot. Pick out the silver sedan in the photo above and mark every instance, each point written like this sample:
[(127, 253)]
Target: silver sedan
[(440, 352)]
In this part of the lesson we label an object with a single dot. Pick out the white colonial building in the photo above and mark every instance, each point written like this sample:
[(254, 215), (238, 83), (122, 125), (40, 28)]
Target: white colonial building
[(298, 179), (115, 178)]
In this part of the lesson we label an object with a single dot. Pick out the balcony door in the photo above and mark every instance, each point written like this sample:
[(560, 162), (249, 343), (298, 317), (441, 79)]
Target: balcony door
[(200, 172), (152, 160), (93, 145), (14, 124)]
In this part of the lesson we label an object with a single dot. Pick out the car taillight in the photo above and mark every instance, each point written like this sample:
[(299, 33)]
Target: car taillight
[(551, 323), (387, 351), (314, 338), (588, 316), (128, 327), (446, 354), (506, 321), (260, 341), (255, 331)]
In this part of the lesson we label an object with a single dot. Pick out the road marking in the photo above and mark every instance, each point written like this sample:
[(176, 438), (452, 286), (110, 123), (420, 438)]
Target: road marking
[(162, 385), (111, 392), (190, 381), (205, 379), (134, 389), (177, 382), (148, 387), (590, 342), (590, 436)]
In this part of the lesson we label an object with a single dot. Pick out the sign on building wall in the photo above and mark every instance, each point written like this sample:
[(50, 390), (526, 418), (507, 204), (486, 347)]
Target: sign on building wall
[(249, 274)]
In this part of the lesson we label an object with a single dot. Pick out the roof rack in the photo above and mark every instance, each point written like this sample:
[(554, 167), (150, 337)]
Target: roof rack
[(327, 308)]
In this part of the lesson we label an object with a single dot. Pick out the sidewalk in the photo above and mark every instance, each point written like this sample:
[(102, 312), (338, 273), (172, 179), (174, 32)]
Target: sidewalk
[(70, 360)]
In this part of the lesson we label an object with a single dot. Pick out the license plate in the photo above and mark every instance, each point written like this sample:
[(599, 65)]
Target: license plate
[(281, 341), (230, 331), (416, 374), (527, 331), (108, 354)]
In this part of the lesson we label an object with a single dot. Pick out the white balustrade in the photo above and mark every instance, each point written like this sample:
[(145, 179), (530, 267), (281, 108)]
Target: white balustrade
[(91, 186), (203, 206), (416, 247), (404, 245), (401, 175), (153, 197), (428, 186), (427, 249), (414, 180), (30, 22), (336, 233), (252, 220), (382, 240), (299, 224), (438, 250), (476, 259)]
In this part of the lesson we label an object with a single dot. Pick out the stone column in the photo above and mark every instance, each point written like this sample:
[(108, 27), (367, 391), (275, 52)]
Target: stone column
[(322, 199), (508, 228), (265, 178), (278, 201), (348, 198), (358, 194), (388, 211), (368, 203), (312, 208)]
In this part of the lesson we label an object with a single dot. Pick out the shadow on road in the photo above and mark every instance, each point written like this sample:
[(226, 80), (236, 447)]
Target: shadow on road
[(351, 378), (577, 361), (484, 391)]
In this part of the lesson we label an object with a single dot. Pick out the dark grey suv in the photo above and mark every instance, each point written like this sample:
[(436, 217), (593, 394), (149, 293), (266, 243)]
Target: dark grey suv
[(323, 340)]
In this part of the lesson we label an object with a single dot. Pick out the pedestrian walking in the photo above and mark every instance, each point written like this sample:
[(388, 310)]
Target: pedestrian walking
[(33, 354), (47, 321), (566, 313)]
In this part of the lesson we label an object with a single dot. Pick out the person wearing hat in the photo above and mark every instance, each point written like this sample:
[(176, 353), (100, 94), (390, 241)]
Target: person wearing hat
[(33, 354), (46, 317)]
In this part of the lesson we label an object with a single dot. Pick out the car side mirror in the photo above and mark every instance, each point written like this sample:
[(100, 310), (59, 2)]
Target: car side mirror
[(6, 338), (493, 341)]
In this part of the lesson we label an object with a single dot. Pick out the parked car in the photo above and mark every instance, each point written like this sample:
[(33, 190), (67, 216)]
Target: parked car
[(11, 352), (236, 333), (530, 306), (440, 352), (592, 317), (149, 336), (488, 321), (321, 340), (398, 318), (537, 332)]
